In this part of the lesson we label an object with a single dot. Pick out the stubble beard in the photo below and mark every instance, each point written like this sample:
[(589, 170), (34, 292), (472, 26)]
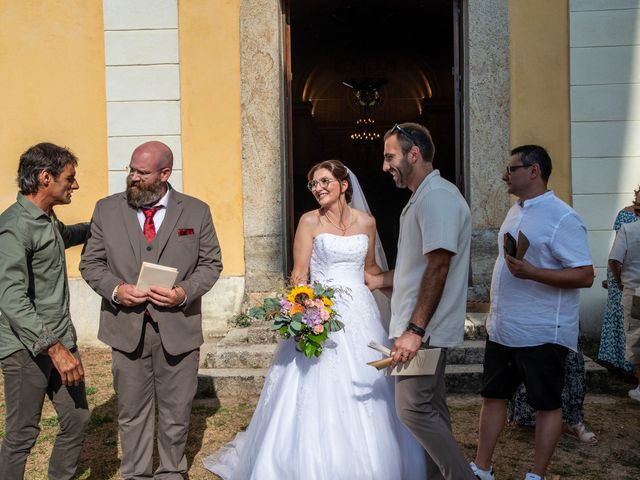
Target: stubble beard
[(402, 172), (141, 194)]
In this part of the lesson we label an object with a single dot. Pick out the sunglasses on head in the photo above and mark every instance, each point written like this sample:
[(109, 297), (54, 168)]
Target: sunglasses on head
[(406, 133)]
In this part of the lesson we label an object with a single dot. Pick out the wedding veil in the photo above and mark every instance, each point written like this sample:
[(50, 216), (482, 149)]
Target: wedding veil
[(359, 202)]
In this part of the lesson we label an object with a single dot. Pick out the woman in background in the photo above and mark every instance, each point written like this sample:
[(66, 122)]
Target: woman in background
[(612, 337)]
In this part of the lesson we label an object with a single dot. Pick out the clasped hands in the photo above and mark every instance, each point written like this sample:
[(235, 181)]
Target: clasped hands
[(129, 296)]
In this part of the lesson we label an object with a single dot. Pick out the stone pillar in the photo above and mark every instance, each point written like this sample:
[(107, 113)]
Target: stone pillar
[(262, 142), (487, 91)]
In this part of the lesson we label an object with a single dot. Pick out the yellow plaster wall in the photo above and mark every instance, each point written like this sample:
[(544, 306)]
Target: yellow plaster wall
[(539, 56), (52, 88), (210, 97)]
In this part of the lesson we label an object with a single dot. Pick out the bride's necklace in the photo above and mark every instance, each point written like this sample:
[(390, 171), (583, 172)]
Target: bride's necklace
[(337, 225)]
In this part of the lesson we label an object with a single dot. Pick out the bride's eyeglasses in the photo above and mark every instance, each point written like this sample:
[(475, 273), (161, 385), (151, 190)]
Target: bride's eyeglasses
[(324, 182)]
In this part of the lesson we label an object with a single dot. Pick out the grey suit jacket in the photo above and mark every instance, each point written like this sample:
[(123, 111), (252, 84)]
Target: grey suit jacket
[(115, 251)]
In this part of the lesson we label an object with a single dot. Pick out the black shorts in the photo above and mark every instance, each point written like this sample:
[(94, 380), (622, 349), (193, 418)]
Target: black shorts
[(541, 368)]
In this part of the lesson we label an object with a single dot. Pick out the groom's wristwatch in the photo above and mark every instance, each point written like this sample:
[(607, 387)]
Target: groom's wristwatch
[(413, 328)]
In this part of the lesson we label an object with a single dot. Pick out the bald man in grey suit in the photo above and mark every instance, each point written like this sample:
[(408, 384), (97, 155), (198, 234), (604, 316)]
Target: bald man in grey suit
[(155, 336)]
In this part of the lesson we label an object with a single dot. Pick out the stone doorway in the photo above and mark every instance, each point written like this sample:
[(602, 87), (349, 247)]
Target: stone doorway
[(357, 68), (266, 88)]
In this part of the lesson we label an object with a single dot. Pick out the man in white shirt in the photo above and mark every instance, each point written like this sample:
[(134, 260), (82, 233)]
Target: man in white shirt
[(429, 283), (624, 263), (533, 319)]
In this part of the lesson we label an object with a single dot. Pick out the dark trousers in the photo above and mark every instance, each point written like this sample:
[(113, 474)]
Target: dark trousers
[(26, 381), (422, 406), (147, 377)]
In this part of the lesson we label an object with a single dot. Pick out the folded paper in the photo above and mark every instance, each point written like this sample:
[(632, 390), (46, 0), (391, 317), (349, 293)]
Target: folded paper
[(424, 363)]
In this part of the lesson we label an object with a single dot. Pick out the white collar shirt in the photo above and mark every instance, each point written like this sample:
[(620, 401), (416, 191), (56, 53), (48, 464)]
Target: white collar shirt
[(529, 313), (158, 217)]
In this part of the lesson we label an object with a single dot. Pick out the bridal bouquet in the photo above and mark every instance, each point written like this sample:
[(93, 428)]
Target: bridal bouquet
[(303, 312)]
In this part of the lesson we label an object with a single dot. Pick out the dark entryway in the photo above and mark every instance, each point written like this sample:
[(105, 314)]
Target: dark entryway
[(402, 60)]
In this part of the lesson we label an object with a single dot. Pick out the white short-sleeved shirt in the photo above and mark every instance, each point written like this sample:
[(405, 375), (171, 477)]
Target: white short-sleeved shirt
[(436, 216), (626, 250), (525, 312)]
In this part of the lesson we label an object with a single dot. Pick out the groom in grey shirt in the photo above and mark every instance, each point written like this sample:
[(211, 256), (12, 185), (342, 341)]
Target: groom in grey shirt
[(429, 284)]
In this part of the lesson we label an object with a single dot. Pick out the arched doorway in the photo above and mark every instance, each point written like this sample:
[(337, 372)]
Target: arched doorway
[(403, 58)]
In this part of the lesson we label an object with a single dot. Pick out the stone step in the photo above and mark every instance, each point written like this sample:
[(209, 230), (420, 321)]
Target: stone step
[(259, 355), (246, 383), (230, 383), (471, 351), (260, 332), (240, 356), (463, 378)]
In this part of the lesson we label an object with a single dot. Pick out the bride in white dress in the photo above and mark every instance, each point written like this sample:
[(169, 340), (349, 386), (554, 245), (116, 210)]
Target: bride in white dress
[(331, 417)]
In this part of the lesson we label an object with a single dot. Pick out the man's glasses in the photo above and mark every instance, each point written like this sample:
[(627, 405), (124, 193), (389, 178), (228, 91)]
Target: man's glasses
[(406, 133), (513, 168), (324, 182), (142, 174)]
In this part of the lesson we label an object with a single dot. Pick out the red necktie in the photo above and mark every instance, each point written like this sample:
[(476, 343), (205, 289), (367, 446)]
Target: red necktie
[(149, 228)]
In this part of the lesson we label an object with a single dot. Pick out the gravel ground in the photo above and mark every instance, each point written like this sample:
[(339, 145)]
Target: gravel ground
[(614, 418)]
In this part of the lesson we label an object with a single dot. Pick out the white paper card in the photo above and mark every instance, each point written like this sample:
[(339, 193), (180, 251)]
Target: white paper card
[(156, 275)]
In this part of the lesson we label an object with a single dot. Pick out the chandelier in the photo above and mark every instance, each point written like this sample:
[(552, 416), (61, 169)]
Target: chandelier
[(363, 132), (367, 94)]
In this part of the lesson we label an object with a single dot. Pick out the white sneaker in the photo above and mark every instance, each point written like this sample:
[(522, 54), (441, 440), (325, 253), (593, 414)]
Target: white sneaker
[(482, 474), (532, 476), (635, 394)]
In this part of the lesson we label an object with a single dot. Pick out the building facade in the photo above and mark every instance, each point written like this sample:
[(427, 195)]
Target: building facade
[(213, 79)]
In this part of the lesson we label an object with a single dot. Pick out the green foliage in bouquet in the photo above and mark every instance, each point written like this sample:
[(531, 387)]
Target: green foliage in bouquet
[(303, 313)]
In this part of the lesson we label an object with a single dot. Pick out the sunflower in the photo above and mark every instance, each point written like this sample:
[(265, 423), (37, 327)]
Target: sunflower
[(299, 291), (327, 301)]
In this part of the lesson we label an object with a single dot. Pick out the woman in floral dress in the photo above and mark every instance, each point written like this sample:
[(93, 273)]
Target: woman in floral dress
[(612, 336)]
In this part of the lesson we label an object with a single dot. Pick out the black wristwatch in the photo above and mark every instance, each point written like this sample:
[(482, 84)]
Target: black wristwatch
[(413, 328)]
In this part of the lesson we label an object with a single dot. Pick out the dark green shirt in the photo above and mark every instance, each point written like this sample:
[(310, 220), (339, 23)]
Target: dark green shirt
[(34, 293)]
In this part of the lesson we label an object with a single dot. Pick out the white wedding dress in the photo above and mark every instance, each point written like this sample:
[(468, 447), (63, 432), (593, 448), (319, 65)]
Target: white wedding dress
[(332, 417)]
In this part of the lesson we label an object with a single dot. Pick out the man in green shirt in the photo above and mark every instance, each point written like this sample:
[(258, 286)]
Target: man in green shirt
[(38, 352)]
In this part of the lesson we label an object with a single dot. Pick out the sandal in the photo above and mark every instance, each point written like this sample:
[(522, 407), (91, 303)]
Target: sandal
[(581, 433)]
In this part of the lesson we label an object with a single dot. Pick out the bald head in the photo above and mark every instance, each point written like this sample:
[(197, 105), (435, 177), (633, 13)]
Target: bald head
[(156, 153)]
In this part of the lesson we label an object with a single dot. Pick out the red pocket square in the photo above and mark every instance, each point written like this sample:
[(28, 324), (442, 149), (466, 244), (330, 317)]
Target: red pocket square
[(185, 231)]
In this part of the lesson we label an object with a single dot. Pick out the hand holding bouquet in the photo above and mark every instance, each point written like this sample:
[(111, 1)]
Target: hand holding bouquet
[(303, 312)]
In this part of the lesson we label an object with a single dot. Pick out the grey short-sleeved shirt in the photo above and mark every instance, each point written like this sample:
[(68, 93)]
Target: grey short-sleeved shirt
[(626, 250), (436, 217)]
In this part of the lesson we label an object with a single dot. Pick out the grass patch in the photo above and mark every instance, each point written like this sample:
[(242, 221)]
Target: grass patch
[(91, 391), (49, 421)]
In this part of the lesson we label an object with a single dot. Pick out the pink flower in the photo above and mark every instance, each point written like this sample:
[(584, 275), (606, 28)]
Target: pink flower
[(324, 314), (318, 303), (285, 305), (318, 329)]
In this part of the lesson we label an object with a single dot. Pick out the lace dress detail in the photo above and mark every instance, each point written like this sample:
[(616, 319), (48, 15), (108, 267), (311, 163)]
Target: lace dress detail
[(332, 417)]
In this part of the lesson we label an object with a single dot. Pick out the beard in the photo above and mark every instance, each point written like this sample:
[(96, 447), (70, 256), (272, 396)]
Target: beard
[(402, 171), (141, 194)]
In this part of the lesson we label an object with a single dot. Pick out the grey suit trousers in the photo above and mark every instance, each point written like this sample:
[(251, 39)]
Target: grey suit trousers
[(421, 404), (147, 377), (26, 381)]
